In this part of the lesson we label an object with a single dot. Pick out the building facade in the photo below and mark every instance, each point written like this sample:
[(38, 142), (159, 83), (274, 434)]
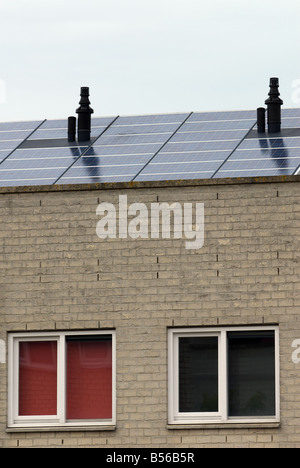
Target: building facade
[(115, 333)]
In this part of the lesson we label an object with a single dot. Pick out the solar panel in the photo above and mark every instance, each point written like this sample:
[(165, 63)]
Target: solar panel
[(132, 140), (199, 147), (12, 134), (4, 154), (257, 165), (152, 119), (13, 126), (9, 144), (148, 148), (224, 116), (142, 129), (293, 113), (137, 139), (267, 154), (217, 135), (29, 166), (63, 123), (290, 123), (45, 155), (218, 125), (53, 129), (55, 133)]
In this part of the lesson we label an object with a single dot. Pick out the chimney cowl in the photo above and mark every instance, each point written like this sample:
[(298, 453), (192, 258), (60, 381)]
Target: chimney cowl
[(274, 92), (274, 104), (84, 115), (84, 101)]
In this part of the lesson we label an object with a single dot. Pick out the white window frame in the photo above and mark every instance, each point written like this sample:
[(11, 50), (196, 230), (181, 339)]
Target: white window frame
[(221, 417), (58, 420)]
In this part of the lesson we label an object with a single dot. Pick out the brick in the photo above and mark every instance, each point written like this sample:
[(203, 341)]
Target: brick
[(56, 274)]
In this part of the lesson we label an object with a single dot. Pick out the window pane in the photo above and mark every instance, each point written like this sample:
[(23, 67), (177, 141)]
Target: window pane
[(89, 377), (198, 375), (251, 361), (37, 378)]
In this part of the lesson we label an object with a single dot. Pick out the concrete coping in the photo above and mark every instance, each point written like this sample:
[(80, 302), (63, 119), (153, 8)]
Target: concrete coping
[(150, 184)]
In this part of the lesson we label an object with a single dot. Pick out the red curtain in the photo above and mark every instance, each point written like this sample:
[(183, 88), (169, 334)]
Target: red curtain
[(89, 379), (37, 378)]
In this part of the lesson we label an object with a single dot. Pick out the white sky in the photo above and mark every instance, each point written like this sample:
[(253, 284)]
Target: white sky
[(145, 56)]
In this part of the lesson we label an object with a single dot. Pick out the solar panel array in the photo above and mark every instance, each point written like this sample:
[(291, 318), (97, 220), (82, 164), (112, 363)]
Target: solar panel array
[(13, 134), (200, 146), (149, 148), (267, 155), (124, 149)]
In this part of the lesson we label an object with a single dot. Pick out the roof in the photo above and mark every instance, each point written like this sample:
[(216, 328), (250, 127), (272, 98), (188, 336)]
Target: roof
[(165, 147)]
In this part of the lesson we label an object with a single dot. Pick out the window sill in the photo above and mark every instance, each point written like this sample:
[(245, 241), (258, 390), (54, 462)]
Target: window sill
[(229, 425), (61, 429)]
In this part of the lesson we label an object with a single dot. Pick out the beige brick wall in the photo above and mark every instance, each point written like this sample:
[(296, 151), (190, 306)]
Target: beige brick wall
[(57, 274)]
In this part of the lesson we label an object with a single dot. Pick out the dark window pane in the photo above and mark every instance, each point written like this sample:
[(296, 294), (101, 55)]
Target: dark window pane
[(251, 367), (198, 375)]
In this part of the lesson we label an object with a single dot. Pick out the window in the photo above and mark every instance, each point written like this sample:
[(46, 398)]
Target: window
[(224, 375), (62, 379)]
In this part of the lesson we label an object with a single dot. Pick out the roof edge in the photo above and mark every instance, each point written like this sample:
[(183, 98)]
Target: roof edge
[(150, 184)]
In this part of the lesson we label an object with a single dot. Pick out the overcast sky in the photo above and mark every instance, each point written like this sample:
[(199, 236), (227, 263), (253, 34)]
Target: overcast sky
[(145, 56)]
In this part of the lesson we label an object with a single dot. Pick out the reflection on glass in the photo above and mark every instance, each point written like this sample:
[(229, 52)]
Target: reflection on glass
[(251, 362), (198, 374)]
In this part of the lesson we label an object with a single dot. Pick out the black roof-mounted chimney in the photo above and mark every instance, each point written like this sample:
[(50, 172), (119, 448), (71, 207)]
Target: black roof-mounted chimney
[(84, 116), (261, 120), (71, 129), (274, 104)]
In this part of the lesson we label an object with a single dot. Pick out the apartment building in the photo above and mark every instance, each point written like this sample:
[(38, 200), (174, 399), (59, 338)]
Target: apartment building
[(150, 280)]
